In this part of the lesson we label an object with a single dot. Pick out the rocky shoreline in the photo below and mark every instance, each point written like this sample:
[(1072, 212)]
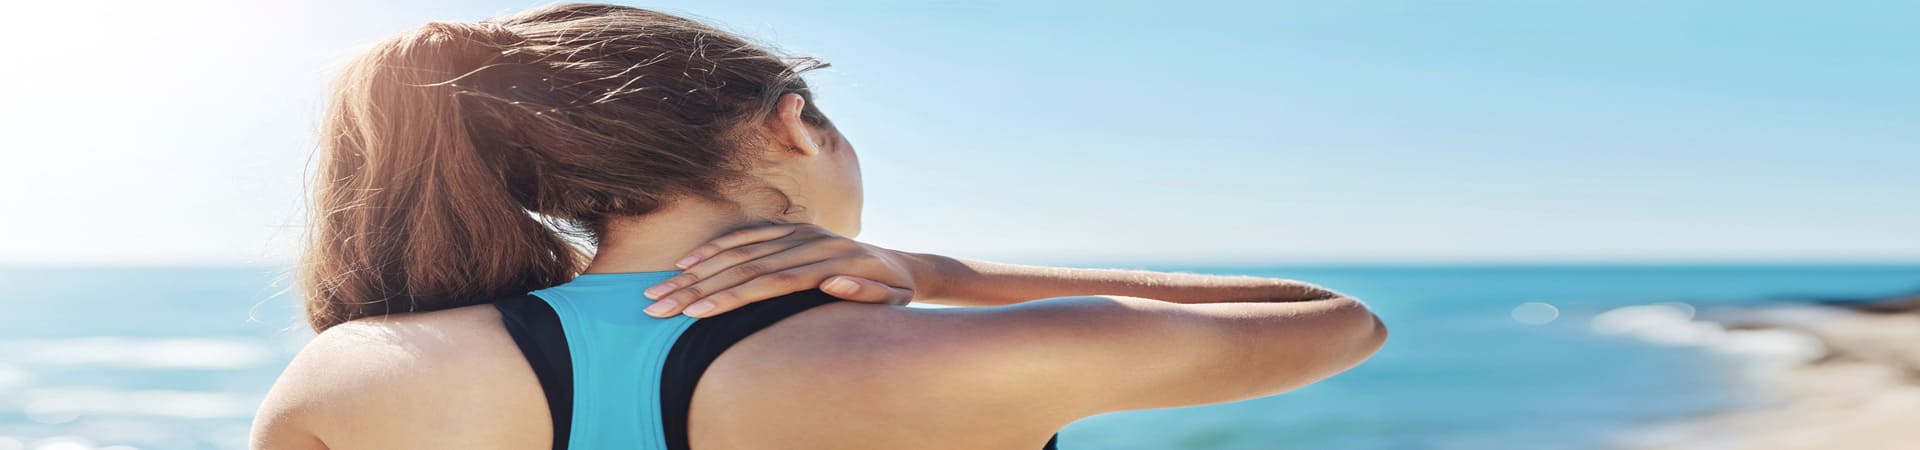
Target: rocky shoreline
[(1860, 390)]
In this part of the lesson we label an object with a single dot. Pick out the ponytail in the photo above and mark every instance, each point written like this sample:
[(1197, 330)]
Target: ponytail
[(408, 214), (455, 156)]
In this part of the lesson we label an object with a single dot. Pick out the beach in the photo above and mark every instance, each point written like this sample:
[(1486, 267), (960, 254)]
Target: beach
[(1859, 391)]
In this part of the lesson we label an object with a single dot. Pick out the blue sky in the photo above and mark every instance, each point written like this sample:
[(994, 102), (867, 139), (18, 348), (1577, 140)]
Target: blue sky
[(1296, 132)]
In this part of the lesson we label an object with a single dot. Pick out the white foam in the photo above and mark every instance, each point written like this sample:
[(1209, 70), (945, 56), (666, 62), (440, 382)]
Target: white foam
[(1660, 324), (12, 377), (69, 402), (119, 352), (1672, 324), (151, 430), (63, 443)]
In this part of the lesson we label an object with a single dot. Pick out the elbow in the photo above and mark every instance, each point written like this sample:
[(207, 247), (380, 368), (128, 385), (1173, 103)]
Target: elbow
[(1362, 331), (1355, 331), (1376, 336), (1338, 334)]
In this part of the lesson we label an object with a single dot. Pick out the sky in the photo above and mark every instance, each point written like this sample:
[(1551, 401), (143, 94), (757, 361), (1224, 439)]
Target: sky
[(180, 132)]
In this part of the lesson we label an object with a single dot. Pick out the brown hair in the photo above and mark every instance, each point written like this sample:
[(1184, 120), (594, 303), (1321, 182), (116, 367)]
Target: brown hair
[(457, 158)]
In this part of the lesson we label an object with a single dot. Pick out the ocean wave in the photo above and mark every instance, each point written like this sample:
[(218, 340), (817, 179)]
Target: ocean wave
[(11, 377), (1673, 324), (61, 405), (57, 443), (136, 353)]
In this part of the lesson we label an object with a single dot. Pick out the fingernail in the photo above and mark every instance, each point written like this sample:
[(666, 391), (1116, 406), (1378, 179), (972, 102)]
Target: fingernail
[(660, 307), (699, 308), (687, 261), (841, 285), (656, 290)]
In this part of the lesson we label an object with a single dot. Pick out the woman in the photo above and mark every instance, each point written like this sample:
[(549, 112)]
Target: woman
[(462, 163)]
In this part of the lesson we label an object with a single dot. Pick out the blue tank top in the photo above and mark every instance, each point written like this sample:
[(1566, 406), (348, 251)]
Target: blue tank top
[(617, 378)]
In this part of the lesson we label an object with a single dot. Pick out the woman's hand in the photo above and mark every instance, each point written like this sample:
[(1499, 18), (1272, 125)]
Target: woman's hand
[(763, 262)]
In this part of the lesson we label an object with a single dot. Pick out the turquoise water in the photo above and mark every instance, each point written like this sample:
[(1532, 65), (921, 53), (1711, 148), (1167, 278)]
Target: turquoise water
[(178, 358)]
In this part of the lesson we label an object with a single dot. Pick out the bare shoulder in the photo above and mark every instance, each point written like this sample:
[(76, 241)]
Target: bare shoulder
[(1009, 376), (377, 382)]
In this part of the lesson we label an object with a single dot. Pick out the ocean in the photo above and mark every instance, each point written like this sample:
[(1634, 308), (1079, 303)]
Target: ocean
[(1480, 357)]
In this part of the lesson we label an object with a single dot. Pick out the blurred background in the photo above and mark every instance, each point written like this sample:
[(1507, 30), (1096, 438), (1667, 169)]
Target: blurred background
[(1597, 225)]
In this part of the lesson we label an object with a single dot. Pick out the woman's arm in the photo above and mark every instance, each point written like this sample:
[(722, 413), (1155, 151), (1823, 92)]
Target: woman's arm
[(969, 282), (759, 263), (1104, 353), (1092, 341)]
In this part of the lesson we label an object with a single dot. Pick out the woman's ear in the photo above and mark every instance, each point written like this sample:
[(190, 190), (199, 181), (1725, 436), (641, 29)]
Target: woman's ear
[(791, 133)]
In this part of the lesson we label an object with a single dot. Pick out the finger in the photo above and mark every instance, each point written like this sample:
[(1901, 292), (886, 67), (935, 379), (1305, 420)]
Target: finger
[(719, 262), (761, 288), (736, 275), (795, 244), (735, 239), (847, 287)]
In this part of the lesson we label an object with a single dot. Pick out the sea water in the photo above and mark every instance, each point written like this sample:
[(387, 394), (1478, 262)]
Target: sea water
[(178, 358)]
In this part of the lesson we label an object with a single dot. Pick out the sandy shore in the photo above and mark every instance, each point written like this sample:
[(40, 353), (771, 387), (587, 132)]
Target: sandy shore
[(1861, 393)]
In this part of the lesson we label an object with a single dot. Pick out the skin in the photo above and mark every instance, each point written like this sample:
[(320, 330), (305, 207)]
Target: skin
[(1036, 349)]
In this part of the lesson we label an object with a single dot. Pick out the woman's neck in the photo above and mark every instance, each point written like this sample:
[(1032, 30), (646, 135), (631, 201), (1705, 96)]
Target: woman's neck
[(654, 242)]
